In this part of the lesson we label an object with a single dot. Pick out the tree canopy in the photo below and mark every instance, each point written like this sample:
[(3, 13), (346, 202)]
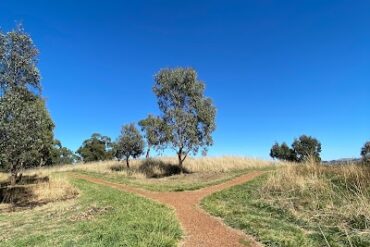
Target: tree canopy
[(303, 148), (129, 144), (155, 131), (365, 152), (96, 148), (188, 114)]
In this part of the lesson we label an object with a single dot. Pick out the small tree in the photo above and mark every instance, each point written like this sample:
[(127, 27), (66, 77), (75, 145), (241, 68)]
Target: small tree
[(365, 152), (282, 152), (187, 113), (155, 131), (306, 147), (96, 148), (129, 144)]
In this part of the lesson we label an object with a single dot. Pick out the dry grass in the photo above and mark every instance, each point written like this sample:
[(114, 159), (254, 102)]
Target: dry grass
[(137, 170), (3, 176), (318, 193), (57, 189)]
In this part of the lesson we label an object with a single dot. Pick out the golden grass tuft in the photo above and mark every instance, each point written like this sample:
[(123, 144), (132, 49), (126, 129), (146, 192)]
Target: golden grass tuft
[(322, 193), (57, 189)]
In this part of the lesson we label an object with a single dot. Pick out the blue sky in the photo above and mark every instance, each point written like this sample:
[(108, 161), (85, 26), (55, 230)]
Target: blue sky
[(275, 69)]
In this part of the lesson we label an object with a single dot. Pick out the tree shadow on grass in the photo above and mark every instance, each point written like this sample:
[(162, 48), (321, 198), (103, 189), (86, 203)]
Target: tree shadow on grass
[(152, 168), (21, 195)]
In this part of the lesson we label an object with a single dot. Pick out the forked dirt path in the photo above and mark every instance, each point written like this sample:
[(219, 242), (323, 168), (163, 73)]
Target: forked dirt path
[(200, 228)]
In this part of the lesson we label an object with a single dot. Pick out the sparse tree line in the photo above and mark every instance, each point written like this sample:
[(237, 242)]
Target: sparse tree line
[(185, 123), (307, 148)]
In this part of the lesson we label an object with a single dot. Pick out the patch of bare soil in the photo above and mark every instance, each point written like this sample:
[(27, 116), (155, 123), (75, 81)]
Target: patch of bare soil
[(201, 229)]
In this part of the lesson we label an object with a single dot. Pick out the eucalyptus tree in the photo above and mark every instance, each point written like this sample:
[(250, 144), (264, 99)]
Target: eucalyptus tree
[(306, 147), (26, 129), (96, 148), (61, 155), (188, 114), (155, 131), (129, 144), (282, 152), (365, 152), (18, 56)]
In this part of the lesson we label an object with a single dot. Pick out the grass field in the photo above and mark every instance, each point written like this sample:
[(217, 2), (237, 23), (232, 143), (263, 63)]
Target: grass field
[(161, 174), (100, 216), (72, 212), (300, 205)]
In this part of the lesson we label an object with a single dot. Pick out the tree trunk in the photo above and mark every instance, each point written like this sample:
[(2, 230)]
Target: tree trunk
[(179, 156), (13, 178), (147, 154), (127, 163)]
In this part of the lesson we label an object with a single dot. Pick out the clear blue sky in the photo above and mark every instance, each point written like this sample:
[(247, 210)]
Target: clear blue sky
[(275, 69)]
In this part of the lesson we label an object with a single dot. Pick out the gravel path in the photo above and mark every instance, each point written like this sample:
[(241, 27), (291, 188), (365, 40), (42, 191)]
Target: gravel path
[(200, 228)]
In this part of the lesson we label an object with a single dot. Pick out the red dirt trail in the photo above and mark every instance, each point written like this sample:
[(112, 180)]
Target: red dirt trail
[(201, 229)]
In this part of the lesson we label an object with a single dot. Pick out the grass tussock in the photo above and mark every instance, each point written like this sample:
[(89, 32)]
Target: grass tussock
[(57, 189), (314, 205), (337, 195)]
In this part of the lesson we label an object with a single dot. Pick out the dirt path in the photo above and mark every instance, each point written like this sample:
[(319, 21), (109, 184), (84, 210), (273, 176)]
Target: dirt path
[(200, 228)]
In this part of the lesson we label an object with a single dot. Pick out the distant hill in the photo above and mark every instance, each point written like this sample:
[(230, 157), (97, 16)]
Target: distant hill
[(342, 161)]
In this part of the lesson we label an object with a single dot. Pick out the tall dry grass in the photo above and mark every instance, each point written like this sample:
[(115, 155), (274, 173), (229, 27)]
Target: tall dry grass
[(339, 194), (159, 166), (58, 188)]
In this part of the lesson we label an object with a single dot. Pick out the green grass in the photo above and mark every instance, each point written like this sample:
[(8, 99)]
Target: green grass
[(245, 207), (175, 183), (131, 221)]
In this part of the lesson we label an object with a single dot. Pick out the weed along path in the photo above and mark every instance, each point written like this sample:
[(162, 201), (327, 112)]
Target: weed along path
[(201, 229)]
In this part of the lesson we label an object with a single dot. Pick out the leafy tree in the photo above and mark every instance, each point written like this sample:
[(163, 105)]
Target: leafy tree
[(24, 131), (18, 61), (96, 148), (307, 147), (129, 144), (365, 152), (26, 128), (61, 155), (187, 113), (156, 132), (282, 152)]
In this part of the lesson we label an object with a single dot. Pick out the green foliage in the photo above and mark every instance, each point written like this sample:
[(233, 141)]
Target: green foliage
[(96, 148), (129, 144), (365, 152), (18, 59), (307, 147), (156, 132), (61, 155), (282, 152), (188, 114), (303, 148), (25, 131)]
